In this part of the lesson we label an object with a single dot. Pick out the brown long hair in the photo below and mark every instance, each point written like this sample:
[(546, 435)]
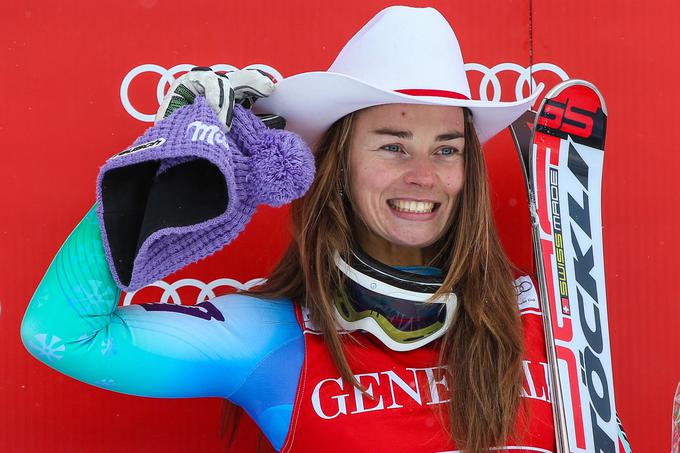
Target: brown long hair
[(483, 348)]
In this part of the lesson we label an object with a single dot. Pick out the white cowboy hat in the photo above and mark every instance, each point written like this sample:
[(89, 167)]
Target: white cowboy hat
[(403, 55)]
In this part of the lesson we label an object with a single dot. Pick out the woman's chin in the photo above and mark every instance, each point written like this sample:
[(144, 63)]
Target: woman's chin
[(413, 242)]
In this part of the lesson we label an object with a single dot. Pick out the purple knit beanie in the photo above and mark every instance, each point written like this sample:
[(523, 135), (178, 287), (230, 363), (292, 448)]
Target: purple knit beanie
[(186, 188)]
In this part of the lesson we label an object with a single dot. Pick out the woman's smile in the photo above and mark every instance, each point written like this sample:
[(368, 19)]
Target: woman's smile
[(413, 206), (413, 210)]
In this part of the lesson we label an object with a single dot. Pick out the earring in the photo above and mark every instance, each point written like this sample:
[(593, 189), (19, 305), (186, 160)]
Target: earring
[(341, 192)]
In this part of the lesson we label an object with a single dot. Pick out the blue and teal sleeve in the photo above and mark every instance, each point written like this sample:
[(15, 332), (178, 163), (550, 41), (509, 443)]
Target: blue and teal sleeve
[(73, 324)]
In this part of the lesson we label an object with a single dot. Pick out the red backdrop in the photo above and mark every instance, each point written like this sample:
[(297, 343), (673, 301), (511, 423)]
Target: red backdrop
[(62, 68)]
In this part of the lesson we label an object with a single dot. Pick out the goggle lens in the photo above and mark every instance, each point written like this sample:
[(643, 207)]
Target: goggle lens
[(404, 315)]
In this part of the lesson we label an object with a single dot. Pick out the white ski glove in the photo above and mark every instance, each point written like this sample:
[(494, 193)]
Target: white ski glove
[(243, 86)]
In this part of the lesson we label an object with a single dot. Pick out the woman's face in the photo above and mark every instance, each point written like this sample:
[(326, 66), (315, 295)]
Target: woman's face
[(406, 168)]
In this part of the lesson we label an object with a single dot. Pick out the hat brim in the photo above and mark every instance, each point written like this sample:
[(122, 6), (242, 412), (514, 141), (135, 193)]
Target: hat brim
[(312, 101)]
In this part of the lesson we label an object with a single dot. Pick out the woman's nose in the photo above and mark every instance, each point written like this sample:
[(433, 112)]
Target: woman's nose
[(421, 173)]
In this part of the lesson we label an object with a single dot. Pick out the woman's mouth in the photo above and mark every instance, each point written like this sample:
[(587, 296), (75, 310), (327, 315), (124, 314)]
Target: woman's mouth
[(412, 206)]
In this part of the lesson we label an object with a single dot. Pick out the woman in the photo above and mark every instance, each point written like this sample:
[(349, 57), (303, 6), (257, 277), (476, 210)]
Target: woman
[(392, 314)]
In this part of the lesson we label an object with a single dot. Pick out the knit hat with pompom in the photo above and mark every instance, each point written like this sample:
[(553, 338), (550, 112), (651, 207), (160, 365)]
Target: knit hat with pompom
[(186, 188)]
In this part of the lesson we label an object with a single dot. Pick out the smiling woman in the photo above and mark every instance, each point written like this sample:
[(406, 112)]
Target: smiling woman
[(394, 311), (393, 155)]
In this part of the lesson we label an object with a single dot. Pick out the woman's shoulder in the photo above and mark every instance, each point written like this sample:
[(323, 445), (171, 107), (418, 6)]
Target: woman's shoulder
[(246, 312)]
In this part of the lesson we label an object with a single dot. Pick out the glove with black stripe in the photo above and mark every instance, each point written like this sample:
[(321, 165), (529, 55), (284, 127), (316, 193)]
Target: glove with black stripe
[(221, 91)]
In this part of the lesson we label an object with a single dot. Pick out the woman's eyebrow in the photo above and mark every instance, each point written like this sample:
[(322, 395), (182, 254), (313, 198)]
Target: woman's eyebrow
[(409, 135), (449, 136)]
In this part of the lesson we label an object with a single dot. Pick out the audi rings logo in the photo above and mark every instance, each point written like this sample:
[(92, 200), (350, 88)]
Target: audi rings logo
[(175, 292), (491, 78), (524, 75), (167, 77)]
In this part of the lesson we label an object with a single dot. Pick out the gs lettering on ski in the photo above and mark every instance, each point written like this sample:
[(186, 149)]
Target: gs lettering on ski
[(398, 389), (564, 120), (568, 119)]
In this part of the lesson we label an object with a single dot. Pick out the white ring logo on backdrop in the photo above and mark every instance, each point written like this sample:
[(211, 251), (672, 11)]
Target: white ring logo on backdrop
[(168, 77), (491, 76), (171, 294)]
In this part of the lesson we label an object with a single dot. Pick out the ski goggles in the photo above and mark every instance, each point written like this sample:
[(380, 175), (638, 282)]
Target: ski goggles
[(392, 305)]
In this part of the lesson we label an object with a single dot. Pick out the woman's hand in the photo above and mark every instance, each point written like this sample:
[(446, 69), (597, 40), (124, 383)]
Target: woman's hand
[(221, 91)]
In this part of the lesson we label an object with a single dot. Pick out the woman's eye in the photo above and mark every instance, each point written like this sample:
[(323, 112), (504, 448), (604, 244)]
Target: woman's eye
[(392, 148), (448, 151)]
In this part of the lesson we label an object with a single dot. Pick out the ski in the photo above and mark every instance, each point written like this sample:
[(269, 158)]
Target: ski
[(562, 150)]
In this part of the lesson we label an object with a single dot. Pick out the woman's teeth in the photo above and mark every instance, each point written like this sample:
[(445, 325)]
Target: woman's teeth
[(412, 206)]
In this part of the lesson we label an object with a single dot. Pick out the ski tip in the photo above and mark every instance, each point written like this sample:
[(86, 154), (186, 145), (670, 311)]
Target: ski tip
[(557, 89)]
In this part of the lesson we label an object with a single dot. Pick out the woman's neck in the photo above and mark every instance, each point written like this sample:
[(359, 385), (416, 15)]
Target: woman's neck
[(394, 254)]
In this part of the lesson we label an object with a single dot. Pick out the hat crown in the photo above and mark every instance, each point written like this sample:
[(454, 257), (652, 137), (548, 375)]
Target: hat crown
[(405, 48), (402, 56)]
